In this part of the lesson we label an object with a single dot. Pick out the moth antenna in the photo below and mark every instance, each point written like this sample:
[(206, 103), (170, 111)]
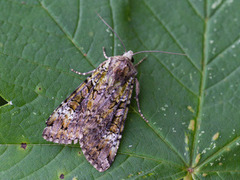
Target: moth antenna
[(158, 52), (112, 31)]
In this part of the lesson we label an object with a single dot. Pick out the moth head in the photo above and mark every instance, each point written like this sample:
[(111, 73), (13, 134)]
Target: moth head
[(128, 55)]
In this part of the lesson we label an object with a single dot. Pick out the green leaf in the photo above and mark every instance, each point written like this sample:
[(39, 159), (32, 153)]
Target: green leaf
[(192, 102)]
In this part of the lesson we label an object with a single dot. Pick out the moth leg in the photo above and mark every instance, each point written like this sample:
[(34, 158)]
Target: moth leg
[(104, 53), (85, 73), (137, 93), (140, 61)]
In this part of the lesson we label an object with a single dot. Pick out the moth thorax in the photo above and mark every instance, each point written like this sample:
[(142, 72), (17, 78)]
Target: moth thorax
[(128, 55), (122, 71)]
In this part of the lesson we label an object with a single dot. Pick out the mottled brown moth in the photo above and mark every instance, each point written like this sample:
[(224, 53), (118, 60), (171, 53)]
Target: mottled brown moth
[(95, 113)]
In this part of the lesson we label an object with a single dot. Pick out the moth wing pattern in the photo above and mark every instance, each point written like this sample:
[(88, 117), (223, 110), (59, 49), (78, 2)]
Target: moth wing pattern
[(94, 114), (62, 127), (101, 135)]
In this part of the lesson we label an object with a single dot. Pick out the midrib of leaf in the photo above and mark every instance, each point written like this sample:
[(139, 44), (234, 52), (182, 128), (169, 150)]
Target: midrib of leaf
[(205, 63), (202, 88)]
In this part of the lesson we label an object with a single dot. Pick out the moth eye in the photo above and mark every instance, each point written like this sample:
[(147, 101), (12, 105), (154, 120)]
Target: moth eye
[(132, 60)]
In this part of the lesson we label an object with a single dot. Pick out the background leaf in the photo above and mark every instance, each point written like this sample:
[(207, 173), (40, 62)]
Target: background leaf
[(192, 102)]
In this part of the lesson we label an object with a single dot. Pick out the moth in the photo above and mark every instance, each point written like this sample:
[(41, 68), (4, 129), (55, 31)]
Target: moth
[(95, 113)]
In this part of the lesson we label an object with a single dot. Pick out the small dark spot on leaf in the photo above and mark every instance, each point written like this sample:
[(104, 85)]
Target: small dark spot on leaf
[(61, 176), (24, 145), (39, 88), (79, 152)]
